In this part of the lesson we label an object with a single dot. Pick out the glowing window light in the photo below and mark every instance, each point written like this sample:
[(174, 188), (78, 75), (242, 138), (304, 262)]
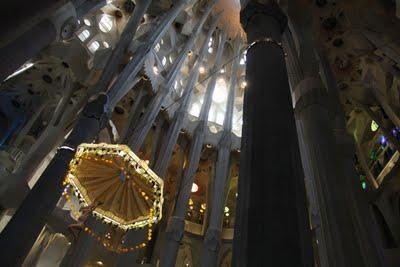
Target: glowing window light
[(220, 92), (243, 84), (210, 50), (164, 61), (84, 35), (374, 126), (220, 117), (203, 206), (226, 209), (364, 185), (222, 71), (202, 70), (87, 22), (20, 70), (94, 46), (171, 59), (242, 61), (105, 24), (195, 188), (176, 85), (195, 110), (383, 141), (227, 214), (155, 69), (106, 45), (157, 47)]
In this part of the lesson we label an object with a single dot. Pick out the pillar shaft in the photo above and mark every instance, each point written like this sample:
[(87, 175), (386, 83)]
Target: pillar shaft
[(154, 106), (175, 228), (134, 115), (271, 216), (365, 227), (296, 75), (212, 239), (79, 252)]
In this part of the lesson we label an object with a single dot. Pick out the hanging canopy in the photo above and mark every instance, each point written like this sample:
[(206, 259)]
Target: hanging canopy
[(125, 189)]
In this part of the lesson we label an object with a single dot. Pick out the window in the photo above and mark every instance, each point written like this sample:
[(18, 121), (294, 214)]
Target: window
[(94, 46), (84, 35), (164, 61), (87, 22), (105, 24), (106, 45), (157, 47)]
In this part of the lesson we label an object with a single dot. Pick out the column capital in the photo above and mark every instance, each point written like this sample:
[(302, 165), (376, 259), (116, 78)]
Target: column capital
[(270, 9)]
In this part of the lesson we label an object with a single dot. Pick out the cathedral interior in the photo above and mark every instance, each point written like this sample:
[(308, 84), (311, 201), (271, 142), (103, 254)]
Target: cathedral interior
[(200, 133)]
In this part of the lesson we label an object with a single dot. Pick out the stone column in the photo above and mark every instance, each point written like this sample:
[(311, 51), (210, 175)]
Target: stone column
[(144, 125), (79, 252), (176, 223), (134, 115), (38, 248), (365, 228), (271, 217), (133, 237), (162, 163), (296, 75), (212, 239), (42, 199)]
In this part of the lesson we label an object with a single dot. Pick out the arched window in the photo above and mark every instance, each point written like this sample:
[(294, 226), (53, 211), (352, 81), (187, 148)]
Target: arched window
[(84, 35), (93, 46), (105, 24)]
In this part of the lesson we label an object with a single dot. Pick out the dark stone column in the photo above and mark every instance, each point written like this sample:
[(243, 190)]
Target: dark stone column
[(79, 252), (272, 221), (21, 232)]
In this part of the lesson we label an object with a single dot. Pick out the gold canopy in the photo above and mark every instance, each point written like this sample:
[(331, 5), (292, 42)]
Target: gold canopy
[(126, 188)]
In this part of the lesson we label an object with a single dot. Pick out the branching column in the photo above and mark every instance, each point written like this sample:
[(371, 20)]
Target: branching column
[(176, 223), (143, 127), (162, 163), (212, 237), (271, 217), (79, 251), (295, 77), (366, 244)]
